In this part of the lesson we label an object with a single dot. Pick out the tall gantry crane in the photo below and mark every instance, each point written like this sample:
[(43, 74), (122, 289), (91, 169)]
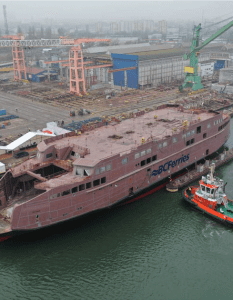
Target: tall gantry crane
[(191, 73), (18, 56), (76, 63)]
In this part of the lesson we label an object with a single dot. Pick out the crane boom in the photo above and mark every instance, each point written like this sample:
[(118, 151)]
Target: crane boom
[(191, 77), (211, 25), (213, 37)]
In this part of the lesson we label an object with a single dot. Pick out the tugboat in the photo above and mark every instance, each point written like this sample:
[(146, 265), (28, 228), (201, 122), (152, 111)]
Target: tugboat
[(210, 198)]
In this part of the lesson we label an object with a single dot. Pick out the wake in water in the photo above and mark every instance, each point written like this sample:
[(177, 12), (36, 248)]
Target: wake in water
[(213, 229), (218, 237)]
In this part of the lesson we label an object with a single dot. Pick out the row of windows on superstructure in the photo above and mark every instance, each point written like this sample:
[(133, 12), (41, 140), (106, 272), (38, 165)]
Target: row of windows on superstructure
[(148, 151), (80, 187), (102, 180), (192, 141), (103, 169), (198, 130), (147, 161), (184, 136), (141, 154), (216, 122), (207, 189), (223, 126), (188, 134)]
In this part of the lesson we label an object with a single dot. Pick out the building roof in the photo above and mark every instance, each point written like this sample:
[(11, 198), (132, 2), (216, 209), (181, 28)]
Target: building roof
[(210, 45), (86, 162), (154, 52), (26, 137), (6, 64), (146, 51), (133, 50), (34, 70), (112, 49)]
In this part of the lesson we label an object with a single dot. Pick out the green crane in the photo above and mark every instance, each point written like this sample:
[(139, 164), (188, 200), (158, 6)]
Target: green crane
[(191, 77)]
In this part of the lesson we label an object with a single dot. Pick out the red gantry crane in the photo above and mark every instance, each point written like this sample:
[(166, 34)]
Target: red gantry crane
[(18, 56), (76, 63)]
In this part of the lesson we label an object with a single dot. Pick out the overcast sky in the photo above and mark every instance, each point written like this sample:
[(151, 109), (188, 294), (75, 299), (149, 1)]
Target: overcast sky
[(116, 10)]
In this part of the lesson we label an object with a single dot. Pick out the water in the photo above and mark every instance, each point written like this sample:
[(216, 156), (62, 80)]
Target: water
[(155, 248)]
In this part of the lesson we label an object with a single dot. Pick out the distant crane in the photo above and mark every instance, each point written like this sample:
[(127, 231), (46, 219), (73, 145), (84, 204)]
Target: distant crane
[(5, 20), (191, 73)]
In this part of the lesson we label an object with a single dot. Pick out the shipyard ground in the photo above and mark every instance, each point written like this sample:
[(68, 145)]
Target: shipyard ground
[(34, 112), (37, 104), (36, 109)]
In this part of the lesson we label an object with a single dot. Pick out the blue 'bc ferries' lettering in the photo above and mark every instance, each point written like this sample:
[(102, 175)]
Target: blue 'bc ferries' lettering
[(169, 164)]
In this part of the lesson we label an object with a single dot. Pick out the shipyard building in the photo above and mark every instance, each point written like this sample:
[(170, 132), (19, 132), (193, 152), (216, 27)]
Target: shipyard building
[(145, 65)]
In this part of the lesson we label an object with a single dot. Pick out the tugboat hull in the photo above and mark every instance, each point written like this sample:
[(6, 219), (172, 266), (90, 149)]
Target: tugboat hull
[(206, 210)]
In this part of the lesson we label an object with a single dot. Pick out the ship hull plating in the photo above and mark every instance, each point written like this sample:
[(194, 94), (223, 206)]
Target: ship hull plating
[(123, 176)]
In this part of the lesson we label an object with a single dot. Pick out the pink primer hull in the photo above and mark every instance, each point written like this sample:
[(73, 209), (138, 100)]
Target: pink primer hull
[(53, 211)]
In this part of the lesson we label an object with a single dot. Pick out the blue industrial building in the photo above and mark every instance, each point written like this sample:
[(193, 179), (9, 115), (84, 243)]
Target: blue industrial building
[(219, 65), (121, 61), (144, 59), (39, 74)]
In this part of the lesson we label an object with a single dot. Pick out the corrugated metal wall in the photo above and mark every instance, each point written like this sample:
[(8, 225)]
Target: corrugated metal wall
[(158, 71), (124, 61)]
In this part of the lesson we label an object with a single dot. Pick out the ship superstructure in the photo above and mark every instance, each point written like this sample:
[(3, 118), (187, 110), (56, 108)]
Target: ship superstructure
[(74, 174)]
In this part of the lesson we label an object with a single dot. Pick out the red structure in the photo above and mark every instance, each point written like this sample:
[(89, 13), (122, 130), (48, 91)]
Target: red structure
[(18, 62), (18, 57), (76, 64), (77, 78)]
